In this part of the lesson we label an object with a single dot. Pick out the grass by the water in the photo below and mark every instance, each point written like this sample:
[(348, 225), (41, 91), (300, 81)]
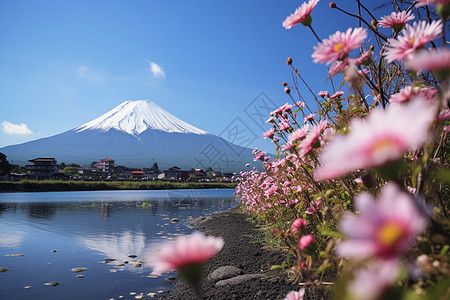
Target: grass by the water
[(60, 185)]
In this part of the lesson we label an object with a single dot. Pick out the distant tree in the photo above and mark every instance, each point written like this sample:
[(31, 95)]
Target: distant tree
[(93, 164), (155, 166), (75, 165), (69, 170), (19, 170), (209, 169), (5, 167), (62, 166)]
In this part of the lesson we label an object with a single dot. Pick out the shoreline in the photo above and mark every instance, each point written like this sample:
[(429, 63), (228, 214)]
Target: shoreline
[(67, 186), (247, 263)]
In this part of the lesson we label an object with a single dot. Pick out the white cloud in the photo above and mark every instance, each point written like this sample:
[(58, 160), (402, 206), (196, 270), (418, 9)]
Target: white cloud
[(15, 129), (92, 76), (157, 70)]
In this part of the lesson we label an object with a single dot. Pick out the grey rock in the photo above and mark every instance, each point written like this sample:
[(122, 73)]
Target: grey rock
[(79, 269), (53, 283), (174, 220), (239, 279), (224, 272)]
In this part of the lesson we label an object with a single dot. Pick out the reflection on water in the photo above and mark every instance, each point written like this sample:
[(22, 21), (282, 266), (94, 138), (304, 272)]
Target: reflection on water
[(59, 231)]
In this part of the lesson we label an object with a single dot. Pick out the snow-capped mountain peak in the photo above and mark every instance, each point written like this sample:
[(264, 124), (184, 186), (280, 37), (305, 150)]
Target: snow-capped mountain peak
[(134, 117)]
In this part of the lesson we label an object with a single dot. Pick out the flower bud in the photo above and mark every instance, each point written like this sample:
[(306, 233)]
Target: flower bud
[(307, 244), (289, 61), (332, 5), (374, 23), (287, 90), (284, 83), (299, 223)]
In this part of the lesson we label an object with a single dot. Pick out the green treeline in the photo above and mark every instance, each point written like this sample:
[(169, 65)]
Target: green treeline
[(59, 185)]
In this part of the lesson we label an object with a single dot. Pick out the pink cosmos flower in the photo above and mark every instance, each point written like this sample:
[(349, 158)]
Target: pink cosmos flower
[(338, 67), (364, 58), (339, 45), (294, 295), (437, 61), (432, 2), (396, 20), (312, 140), (323, 94), (372, 282), (186, 251), (384, 228), (269, 120), (284, 124), (287, 146), (299, 223), (301, 15), (412, 38), (314, 207), (384, 136), (409, 93), (259, 155), (298, 134), (308, 118), (269, 133), (337, 94)]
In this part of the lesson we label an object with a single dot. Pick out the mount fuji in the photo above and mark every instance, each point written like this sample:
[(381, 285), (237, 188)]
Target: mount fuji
[(136, 134)]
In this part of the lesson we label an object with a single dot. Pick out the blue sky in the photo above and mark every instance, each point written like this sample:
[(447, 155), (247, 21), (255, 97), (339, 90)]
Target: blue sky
[(64, 63)]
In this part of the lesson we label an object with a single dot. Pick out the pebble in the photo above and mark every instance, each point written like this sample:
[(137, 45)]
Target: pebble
[(80, 276), (174, 220), (14, 255), (132, 255), (27, 287), (151, 294), (132, 293), (53, 283), (2, 270), (78, 269), (56, 250), (113, 271), (138, 265)]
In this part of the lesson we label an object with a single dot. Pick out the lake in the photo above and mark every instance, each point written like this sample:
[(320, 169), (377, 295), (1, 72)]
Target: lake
[(43, 236)]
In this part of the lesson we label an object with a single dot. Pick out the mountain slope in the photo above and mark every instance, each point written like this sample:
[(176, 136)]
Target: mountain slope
[(136, 134)]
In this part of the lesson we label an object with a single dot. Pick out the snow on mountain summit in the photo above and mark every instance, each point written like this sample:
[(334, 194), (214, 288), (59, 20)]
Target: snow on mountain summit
[(134, 117)]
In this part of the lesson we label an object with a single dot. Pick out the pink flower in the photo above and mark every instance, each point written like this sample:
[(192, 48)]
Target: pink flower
[(323, 94), (364, 58), (396, 20), (412, 38), (338, 67), (409, 93), (308, 118), (313, 139), (301, 15), (284, 124), (384, 136), (384, 228), (269, 133), (337, 94), (339, 45), (307, 244), (186, 251), (269, 120), (373, 281), (294, 295), (298, 134), (432, 2), (314, 207), (299, 223), (437, 61), (271, 190), (287, 146), (259, 155)]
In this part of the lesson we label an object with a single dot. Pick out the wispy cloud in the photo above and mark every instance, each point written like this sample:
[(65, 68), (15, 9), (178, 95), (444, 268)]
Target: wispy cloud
[(91, 76), (15, 129), (157, 70)]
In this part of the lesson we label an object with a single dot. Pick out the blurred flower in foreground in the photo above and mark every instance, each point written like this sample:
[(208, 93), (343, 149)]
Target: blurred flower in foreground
[(373, 281), (396, 20), (294, 295), (187, 255), (411, 39), (383, 137), (437, 61), (384, 228), (339, 45), (301, 15), (410, 92)]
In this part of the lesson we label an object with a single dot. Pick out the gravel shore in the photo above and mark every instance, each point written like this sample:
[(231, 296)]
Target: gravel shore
[(241, 270)]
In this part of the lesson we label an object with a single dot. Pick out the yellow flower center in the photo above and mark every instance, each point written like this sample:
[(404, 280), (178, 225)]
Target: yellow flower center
[(390, 234), (412, 40), (338, 47)]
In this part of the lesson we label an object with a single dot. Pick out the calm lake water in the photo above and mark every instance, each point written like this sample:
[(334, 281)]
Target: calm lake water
[(58, 231)]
